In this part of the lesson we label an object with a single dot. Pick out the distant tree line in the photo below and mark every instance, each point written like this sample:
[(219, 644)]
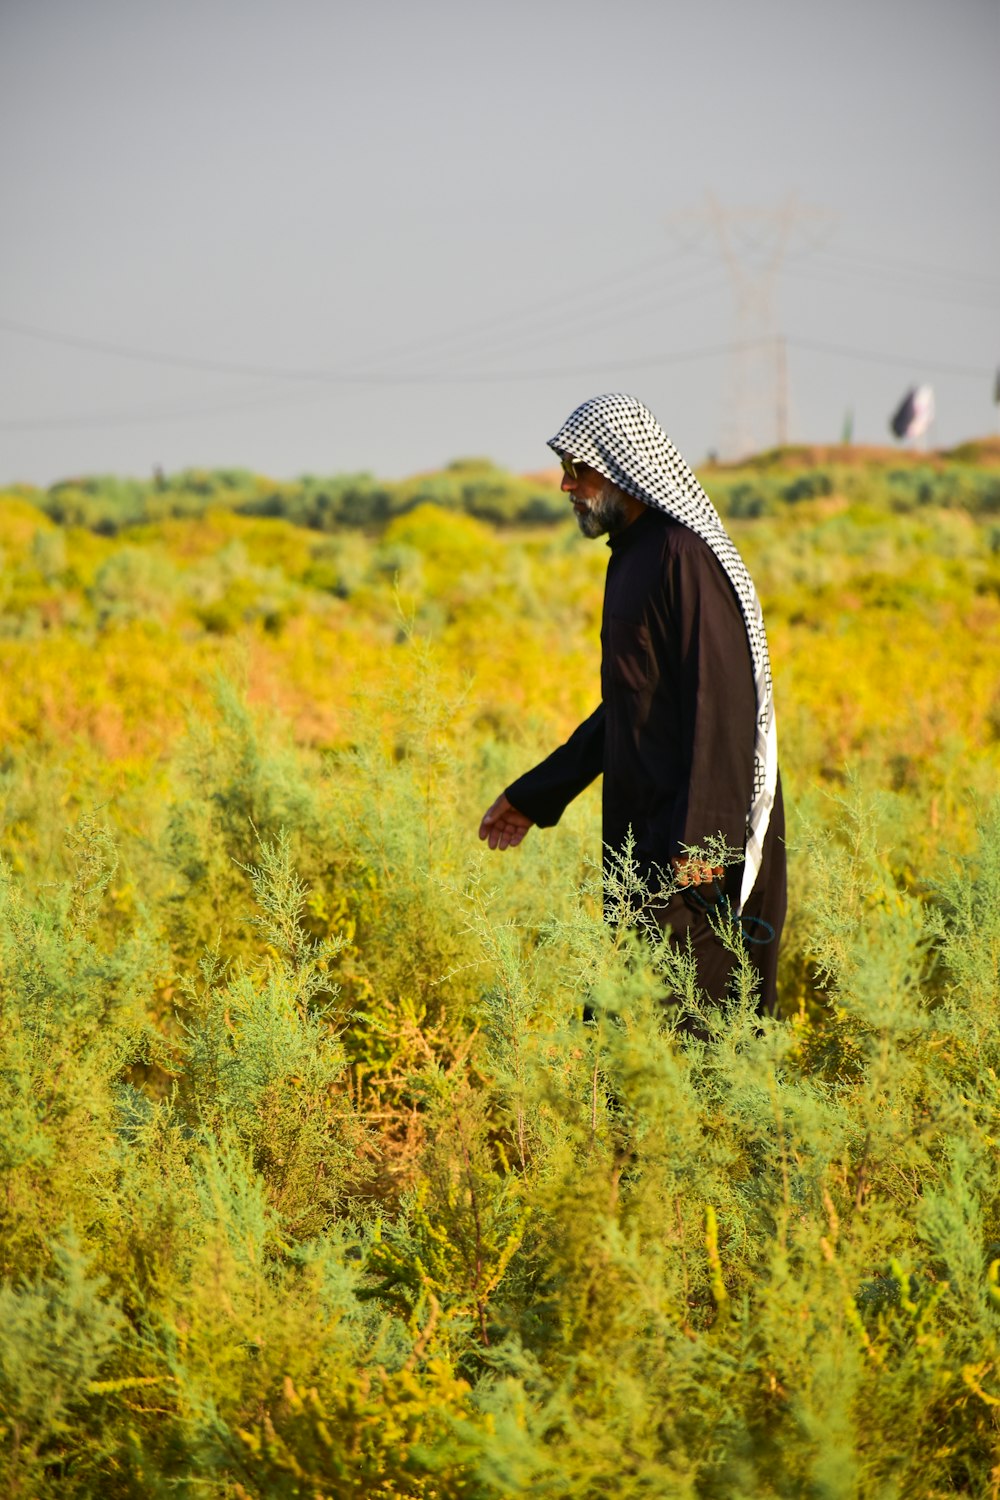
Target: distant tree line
[(474, 487), (966, 479)]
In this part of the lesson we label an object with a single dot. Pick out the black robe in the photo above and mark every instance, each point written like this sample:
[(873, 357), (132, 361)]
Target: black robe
[(674, 737)]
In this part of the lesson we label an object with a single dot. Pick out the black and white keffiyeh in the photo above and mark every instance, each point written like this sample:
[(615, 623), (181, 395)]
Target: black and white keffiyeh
[(620, 438)]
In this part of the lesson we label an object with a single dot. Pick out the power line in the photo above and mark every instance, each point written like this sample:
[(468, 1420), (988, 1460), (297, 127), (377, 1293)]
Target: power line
[(571, 297), (866, 260), (230, 367), (546, 332), (870, 356), (134, 417), (893, 266), (627, 287), (146, 416), (600, 315), (176, 361), (834, 276)]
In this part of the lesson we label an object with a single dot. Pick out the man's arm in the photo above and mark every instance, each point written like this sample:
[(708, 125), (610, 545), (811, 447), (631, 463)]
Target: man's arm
[(542, 795)]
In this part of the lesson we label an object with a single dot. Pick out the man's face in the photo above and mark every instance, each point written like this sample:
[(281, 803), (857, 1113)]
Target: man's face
[(599, 505)]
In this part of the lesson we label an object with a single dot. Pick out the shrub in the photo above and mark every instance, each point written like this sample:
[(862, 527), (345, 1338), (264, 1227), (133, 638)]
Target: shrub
[(315, 1181)]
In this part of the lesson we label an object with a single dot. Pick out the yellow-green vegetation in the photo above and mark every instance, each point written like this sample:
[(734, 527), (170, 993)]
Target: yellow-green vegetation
[(313, 1182)]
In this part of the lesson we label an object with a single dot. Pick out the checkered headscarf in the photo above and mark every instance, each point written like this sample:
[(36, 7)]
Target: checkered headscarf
[(621, 439)]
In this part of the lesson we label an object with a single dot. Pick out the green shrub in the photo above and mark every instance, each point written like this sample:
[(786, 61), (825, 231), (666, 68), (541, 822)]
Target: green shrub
[(314, 1180)]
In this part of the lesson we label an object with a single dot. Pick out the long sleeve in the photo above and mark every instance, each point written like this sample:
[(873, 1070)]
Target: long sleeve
[(544, 793)]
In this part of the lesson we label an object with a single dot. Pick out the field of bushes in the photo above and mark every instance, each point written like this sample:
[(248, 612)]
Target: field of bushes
[(313, 1180)]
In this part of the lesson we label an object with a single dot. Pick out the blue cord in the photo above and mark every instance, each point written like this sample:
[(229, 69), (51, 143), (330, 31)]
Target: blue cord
[(722, 901)]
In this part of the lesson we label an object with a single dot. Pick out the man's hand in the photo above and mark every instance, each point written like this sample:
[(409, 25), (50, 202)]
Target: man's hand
[(688, 871), (503, 825)]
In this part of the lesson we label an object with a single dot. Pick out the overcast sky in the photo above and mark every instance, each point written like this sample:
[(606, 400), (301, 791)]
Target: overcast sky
[(315, 237)]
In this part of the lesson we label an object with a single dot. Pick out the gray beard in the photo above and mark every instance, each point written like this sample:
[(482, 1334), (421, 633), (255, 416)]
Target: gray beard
[(605, 513)]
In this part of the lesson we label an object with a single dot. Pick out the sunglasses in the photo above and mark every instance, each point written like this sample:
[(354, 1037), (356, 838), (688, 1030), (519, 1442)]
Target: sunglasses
[(569, 467)]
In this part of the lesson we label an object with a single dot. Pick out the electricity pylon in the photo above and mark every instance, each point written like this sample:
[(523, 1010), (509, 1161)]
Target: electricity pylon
[(754, 243)]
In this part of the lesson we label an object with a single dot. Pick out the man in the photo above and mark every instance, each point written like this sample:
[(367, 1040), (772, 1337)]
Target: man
[(685, 732)]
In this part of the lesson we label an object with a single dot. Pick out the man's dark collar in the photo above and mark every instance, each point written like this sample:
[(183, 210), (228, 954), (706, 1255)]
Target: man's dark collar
[(635, 530)]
